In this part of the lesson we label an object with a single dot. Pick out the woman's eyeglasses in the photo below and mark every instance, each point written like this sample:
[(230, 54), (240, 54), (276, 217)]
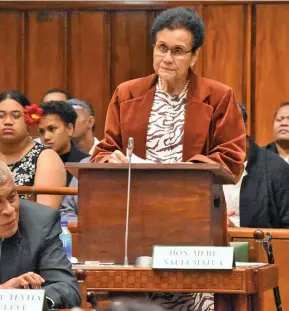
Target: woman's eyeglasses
[(162, 50), (15, 114)]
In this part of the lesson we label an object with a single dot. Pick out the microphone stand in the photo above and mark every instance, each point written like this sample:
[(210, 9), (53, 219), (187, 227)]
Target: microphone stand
[(130, 149)]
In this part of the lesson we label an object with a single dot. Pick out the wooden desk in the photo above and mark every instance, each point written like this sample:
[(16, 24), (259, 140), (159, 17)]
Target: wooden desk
[(280, 244), (240, 289)]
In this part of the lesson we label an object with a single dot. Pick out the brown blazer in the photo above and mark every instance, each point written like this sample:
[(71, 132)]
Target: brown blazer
[(213, 131)]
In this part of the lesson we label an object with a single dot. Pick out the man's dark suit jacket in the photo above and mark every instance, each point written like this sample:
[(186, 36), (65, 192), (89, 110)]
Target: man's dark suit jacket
[(36, 247), (271, 147), (264, 194)]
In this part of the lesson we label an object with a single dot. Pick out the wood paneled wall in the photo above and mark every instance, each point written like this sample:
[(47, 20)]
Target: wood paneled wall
[(89, 48)]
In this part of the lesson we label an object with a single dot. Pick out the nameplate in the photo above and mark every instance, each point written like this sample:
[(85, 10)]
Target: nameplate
[(192, 257), (22, 300)]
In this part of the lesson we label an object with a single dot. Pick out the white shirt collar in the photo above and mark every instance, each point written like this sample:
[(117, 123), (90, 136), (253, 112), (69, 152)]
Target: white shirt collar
[(95, 142)]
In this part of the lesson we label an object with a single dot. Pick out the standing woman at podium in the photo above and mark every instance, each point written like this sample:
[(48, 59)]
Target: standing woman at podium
[(174, 115)]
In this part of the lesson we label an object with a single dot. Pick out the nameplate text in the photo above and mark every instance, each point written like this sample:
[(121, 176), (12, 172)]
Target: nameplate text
[(22, 299), (192, 257)]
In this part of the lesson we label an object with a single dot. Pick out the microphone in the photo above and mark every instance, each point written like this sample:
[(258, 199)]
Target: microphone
[(130, 147)]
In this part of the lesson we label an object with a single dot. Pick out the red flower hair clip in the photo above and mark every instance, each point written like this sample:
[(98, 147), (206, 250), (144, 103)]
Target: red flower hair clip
[(32, 114)]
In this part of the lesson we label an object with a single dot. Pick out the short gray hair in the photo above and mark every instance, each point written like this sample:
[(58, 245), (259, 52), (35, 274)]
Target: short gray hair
[(82, 103)]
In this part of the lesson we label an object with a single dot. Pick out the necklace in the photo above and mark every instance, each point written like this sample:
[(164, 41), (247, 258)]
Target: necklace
[(160, 86)]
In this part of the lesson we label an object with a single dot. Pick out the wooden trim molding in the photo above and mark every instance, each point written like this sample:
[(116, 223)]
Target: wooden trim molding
[(121, 4)]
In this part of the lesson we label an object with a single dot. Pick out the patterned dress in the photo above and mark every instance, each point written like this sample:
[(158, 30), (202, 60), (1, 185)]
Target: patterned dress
[(166, 127), (165, 145), (24, 170)]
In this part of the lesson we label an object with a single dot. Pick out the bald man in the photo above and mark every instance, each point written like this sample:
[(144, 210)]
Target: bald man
[(56, 94), (83, 134), (31, 253)]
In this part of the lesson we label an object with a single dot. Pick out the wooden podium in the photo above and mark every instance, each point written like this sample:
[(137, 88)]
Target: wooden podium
[(175, 204)]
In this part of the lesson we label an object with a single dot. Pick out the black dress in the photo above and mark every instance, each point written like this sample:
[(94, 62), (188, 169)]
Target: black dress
[(24, 170)]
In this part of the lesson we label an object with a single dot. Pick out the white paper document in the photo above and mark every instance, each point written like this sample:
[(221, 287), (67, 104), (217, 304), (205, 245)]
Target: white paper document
[(135, 159), (250, 264)]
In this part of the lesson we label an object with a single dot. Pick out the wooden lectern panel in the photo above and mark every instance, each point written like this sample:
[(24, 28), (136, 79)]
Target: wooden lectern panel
[(167, 207)]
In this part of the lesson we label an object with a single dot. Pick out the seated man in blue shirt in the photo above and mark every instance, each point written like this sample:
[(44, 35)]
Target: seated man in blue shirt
[(69, 206)]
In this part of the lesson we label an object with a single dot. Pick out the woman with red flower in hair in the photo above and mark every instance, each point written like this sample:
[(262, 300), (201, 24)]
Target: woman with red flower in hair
[(30, 163)]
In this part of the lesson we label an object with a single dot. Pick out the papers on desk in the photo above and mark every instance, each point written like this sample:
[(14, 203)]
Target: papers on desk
[(98, 263), (250, 264), (93, 264), (136, 159)]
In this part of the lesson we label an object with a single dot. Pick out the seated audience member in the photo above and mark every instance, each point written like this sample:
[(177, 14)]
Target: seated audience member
[(32, 164), (260, 199), (56, 95), (69, 206), (84, 126), (281, 132), (52, 95), (32, 255), (56, 127)]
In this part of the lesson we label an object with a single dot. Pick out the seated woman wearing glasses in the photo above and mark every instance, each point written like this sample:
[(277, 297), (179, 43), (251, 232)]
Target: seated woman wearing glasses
[(175, 115), (30, 162)]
